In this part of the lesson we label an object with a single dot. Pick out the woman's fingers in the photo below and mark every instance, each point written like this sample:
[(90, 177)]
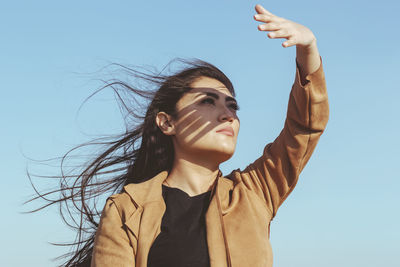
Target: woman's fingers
[(279, 34), (268, 27), (264, 17), (278, 27), (289, 42), (261, 10)]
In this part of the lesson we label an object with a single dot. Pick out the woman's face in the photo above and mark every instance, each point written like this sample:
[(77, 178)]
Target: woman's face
[(206, 124)]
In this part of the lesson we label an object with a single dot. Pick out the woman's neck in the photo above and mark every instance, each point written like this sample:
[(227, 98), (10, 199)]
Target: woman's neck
[(192, 178)]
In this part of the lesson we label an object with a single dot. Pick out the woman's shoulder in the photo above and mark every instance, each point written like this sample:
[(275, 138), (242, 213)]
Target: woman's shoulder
[(124, 204)]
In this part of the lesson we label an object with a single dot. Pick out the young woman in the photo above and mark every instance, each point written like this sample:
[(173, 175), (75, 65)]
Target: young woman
[(174, 206)]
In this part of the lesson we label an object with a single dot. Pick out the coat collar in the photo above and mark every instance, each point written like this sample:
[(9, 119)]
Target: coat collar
[(147, 191), (151, 190), (148, 196)]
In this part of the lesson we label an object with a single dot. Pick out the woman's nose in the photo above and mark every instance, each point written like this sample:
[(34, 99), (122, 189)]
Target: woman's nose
[(226, 115)]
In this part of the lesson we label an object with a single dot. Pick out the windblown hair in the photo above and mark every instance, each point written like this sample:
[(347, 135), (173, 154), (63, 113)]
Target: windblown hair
[(135, 156)]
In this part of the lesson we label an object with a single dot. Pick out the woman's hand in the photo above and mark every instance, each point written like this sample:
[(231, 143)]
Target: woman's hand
[(296, 34)]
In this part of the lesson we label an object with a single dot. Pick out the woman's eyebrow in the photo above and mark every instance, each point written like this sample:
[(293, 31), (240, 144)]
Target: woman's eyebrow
[(214, 95)]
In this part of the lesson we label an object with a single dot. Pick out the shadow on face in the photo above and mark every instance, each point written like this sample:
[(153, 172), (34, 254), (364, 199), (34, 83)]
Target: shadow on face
[(206, 120)]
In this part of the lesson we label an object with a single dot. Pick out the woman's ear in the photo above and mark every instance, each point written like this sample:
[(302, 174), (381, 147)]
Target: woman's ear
[(164, 122)]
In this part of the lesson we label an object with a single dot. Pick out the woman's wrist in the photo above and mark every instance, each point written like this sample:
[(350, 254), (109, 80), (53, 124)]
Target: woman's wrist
[(307, 58)]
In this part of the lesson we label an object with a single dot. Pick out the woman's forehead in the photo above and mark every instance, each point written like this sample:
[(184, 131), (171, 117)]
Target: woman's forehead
[(205, 80), (204, 84), (219, 91)]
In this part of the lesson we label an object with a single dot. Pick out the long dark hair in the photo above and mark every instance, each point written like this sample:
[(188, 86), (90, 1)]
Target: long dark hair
[(135, 156)]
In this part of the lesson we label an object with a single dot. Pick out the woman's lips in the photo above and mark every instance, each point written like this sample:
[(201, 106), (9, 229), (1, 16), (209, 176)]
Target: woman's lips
[(226, 131)]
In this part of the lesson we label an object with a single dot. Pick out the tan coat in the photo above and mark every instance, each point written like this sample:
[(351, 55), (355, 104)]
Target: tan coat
[(249, 199)]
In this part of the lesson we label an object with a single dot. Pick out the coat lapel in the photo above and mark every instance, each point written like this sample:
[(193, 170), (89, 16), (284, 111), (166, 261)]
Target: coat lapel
[(215, 237), (151, 208)]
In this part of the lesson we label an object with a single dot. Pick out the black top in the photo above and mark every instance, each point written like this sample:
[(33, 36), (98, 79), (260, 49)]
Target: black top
[(182, 241)]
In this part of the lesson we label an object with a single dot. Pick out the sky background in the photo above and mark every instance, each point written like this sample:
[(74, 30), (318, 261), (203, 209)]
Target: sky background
[(345, 208)]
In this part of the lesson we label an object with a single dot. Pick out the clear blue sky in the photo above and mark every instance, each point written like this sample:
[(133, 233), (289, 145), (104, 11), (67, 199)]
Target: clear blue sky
[(345, 208)]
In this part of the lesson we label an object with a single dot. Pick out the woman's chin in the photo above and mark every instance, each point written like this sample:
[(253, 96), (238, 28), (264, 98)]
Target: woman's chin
[(222, 154), (217, 152)]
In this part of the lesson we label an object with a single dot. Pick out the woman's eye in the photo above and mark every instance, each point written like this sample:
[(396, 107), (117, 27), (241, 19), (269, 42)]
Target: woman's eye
[(234, 107), (208, 101), (211, 101)]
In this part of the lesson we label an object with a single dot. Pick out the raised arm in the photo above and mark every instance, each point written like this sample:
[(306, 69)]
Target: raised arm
[(274, 175)]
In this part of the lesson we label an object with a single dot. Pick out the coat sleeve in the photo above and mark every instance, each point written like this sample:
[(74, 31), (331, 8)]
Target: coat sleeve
[(112, 246), (274, 175)]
